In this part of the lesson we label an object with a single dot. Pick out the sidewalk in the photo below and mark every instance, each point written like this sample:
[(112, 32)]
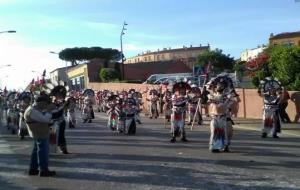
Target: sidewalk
[(291, 129)]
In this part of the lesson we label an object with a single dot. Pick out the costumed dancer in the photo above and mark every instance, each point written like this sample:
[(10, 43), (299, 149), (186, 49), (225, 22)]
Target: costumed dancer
[(99, 100), (2, 104), (179, 103), (137, 97), (88, 112), (12, 112), (220, 125), (168, 104), (58, 92), (194, 95), (152, 103), (270, 89), (129, 111), (113, 112), (25, 100), (70, 109)]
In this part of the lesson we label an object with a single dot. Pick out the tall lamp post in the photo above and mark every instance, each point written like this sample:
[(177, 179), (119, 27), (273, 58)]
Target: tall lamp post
[(8, 31), (122, 56)]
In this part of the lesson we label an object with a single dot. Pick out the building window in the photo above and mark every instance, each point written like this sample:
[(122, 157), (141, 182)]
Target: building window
[(162, 56), (149, 58), (157, 57)]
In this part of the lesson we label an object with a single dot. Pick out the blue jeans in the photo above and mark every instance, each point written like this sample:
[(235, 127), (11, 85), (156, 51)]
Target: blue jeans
[(40, 155)]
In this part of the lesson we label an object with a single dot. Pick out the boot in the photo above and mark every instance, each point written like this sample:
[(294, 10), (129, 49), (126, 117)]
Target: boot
[(215, 151), (275, 136), (173, 140), (47, 173), (226, 149), (33, 172), (183, 139), (264, 135), (63, 149)]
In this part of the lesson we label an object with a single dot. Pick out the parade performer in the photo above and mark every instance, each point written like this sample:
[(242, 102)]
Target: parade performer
[(113, 112), (88, 112), (179, 103), (220, 102), (270, 89), (129, 111), (58, 92), (24, 101), (137, 96), (152, 103), (70, 109), (168, 104), (194, 95), (12, 112), (2, 105), (99, 100)]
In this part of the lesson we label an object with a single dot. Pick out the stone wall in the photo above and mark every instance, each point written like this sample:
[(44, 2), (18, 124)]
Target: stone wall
[(250, 105)]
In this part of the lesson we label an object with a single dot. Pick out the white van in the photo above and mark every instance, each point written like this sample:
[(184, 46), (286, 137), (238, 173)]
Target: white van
[(156, 77)]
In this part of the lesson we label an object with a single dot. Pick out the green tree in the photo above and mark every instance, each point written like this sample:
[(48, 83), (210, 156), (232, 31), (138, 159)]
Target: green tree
[(219, 61), (75, 55), (284, 64), (108, 74), (281, 62)]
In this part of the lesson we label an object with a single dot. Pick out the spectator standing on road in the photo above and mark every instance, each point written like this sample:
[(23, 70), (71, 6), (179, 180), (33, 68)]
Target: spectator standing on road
[(283, 105), (37, 121)]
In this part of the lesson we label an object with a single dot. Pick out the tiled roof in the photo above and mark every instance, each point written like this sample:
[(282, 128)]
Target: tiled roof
[(286, 35), (141, 71)]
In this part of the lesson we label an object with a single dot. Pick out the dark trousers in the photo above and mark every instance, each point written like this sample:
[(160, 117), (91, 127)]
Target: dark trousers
[(284, 116), (61, 140), (40, 155)]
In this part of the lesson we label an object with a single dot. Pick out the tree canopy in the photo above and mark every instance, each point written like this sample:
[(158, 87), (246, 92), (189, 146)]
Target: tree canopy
[(76, 54), (281, 62), (218, 60)]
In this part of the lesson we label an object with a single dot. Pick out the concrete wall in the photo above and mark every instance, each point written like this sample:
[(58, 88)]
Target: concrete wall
[(250, 105)]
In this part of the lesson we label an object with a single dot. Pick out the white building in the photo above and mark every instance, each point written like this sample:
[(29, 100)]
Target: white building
[(249, 54), (60, 74)]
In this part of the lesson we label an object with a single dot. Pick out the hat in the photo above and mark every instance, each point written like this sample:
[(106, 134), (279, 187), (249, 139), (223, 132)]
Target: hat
[(42, 97), (181, 86)]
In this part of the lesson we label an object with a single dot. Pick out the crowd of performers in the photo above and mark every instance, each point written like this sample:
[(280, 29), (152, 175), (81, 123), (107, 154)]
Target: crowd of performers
[(44, 110)]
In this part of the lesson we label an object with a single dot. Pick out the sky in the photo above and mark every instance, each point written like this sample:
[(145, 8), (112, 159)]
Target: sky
[(52, 25)]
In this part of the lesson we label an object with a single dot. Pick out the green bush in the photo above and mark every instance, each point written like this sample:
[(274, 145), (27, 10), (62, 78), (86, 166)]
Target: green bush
[(109, 74)]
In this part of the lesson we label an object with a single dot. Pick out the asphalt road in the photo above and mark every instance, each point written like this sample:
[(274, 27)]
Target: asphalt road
[(102, 159)]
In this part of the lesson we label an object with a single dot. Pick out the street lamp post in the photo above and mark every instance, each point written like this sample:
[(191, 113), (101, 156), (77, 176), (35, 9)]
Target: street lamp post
[(8, 31), (122, 56)]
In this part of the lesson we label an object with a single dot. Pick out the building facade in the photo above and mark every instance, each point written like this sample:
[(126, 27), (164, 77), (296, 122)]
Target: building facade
[(187, 54), (287, 38), (81, 75), (249, 54), (60, 74)]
